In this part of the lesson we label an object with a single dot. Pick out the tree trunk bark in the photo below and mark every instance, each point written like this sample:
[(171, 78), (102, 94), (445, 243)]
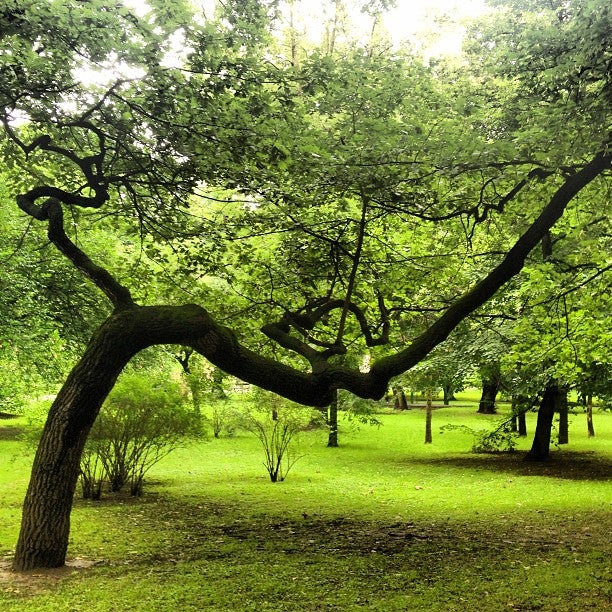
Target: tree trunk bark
[(563, 437), (540, 447), (589, 413), (514, 410), (400, 402), (522, 423), (332, 421), (428, 418), (449, 395), (45, 525), (490, 388)]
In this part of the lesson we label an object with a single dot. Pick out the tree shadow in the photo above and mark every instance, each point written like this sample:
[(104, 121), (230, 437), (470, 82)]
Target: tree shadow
[(11, 433), (566, 465)]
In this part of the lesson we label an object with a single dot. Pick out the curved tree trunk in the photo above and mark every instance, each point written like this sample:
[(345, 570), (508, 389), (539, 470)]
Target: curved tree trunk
[(45, 524), (43, 539)]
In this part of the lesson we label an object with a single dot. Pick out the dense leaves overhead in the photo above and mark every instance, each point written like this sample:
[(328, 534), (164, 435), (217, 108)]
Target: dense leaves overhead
[(342, 198)]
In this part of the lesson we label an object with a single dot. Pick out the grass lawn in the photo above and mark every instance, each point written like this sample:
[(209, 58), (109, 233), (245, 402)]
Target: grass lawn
[(384, 522)]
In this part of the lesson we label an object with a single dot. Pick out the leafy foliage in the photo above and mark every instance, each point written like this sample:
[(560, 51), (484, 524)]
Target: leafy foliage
[(142, 421), (499, 440), (277, 424)]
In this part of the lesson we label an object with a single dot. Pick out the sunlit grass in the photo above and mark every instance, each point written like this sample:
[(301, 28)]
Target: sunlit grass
[(384, 522)]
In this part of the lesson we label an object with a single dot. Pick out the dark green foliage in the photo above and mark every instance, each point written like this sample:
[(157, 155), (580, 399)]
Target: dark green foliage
[(499, 440)]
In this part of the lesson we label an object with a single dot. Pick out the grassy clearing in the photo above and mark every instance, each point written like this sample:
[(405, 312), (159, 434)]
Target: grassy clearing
[(383, 523)]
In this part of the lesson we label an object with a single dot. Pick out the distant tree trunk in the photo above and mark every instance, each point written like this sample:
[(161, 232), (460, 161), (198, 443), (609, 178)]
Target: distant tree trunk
[(490, 389), (515, 410), (519, 409), (449, 394), (400, 402), (522, 423), (332, 422), (589, 413), (428, 415), (540, 447), (563, 437)]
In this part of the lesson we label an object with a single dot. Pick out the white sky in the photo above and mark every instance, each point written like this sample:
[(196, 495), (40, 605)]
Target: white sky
[(403, 23), (436, 21), (414, 16)]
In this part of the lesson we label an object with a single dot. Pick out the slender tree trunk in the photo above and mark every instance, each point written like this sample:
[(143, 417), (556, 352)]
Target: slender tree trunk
[(449, 395), (522, 423), (332, 421), (514, 409), (400, 402), (490, 388), (428, 418), (589, 413), (540, 447), (563, 437)]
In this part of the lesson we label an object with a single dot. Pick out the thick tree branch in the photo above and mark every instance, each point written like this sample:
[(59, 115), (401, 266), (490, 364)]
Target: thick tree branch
[(52, 212), (511, 265)]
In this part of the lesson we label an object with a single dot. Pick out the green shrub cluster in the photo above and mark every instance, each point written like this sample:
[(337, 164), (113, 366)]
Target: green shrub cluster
[(141, 422)]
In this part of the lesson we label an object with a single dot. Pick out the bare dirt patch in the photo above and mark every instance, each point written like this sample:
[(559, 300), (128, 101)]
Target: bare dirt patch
[(40, 580)]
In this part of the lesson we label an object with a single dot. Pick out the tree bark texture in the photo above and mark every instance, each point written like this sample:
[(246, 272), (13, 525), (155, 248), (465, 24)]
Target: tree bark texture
[(490, 388), (589, 413), (563, 437), (428, 417), (45, 525), (332, 422), (522, 423), (400, 402), (540, 447)]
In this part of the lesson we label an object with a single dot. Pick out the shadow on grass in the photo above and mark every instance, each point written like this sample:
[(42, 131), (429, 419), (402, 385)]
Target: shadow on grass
[(566, 465), (12, 433), (210, 531)]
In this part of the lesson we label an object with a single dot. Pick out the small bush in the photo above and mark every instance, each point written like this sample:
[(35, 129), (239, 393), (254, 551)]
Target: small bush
[(277, 423), (140, 423), (223, 419), (499, 440)]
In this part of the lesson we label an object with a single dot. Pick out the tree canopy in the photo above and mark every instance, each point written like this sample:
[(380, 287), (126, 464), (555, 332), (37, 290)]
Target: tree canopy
[(306, 226)]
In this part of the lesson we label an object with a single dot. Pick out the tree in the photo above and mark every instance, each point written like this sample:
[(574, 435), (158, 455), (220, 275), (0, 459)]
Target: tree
[(491, 383), (337, 155)]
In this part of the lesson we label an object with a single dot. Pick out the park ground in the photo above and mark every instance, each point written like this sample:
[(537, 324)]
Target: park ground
[(384, 522)]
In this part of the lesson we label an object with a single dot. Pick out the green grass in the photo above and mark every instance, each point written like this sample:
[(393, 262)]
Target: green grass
[(384, 522)]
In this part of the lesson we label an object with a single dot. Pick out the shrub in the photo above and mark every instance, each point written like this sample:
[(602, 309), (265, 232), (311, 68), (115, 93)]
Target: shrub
[(499, 440), (276, 423), (223, 419), (140, 423)]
